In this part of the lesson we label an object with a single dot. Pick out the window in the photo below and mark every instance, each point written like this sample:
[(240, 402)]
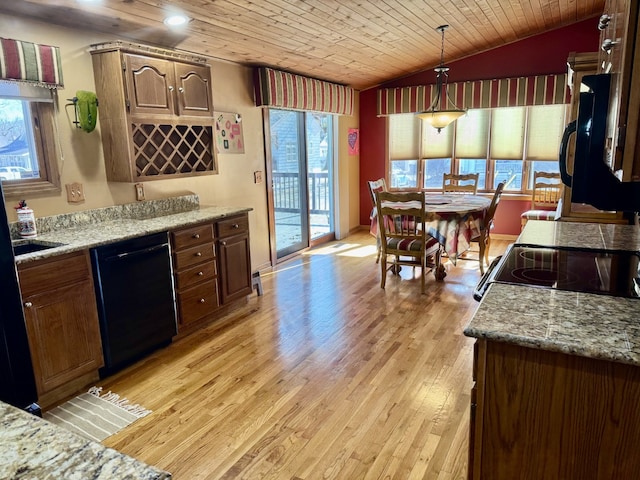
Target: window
[(28, 158), (500, 144)]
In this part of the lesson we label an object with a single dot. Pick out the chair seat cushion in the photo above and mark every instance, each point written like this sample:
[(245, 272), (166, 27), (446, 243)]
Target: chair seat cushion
[(539, 215), (409, 245)]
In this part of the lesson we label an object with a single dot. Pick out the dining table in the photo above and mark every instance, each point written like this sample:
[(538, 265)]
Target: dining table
[(452, 219)]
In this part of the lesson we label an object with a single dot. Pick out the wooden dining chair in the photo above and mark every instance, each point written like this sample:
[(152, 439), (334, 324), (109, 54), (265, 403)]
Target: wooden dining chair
[(483, 239), (376, 186), (402, 232), (465, 183), (547, 192)]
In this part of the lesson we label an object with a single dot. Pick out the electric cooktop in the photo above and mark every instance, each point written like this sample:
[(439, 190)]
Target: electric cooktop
[(606, 272)]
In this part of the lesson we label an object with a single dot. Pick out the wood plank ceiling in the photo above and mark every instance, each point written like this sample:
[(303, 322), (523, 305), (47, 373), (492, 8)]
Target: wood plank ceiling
[(353, 42)]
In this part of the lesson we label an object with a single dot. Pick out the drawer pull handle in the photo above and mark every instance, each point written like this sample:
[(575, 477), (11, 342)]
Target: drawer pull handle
[(235, 225), (196, 236), (198, 254), (171, 88), (28, 304), (202, 300), (223, 243), (200, 274)]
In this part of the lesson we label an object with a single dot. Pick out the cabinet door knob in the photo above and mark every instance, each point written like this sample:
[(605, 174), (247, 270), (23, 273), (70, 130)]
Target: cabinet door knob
[(171, 88), (200, 274), (198, 254), (28, 304), (181, 90), (604, 21), (607, 45), (235, 225), (223, 243), (202, 300), (196, 236)]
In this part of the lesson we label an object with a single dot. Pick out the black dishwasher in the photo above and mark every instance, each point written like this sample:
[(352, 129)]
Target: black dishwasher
[(135, 294)]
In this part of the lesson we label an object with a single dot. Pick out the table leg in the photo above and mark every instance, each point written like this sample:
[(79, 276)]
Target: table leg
[(440, 272)]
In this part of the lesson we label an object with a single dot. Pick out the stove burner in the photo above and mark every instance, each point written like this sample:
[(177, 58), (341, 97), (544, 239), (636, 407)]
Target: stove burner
[(544, 277)]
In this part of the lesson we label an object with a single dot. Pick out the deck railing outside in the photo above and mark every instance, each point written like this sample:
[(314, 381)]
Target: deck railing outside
[(286, 193)]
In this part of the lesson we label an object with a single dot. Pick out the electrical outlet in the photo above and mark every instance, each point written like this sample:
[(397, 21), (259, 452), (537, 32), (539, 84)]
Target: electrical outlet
[(257, 176), (139, 192), (75, 192)]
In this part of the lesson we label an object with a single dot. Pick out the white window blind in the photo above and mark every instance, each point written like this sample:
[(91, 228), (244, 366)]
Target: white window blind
[(472, 134), (544, 132), (437, 145), (403, 136), (507, 133)]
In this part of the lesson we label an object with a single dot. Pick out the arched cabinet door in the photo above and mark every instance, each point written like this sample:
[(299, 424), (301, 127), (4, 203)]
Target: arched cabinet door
[(150, 85), (193, 89)]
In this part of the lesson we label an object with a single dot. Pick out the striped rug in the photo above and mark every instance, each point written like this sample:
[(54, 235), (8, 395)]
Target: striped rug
[(95, 415)]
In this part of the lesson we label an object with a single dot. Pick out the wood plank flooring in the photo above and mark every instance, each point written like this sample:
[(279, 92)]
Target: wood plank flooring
[(325, 376)]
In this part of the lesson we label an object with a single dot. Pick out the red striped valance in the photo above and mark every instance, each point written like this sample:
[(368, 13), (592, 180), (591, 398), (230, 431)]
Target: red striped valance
[(274, 88), (30, 62), (506, 92)]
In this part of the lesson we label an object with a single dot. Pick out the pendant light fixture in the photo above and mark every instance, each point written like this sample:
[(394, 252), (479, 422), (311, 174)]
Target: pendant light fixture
[(439, 114)]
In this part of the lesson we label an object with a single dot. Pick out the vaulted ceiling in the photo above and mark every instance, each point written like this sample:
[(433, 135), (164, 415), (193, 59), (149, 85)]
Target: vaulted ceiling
[(353, 42)]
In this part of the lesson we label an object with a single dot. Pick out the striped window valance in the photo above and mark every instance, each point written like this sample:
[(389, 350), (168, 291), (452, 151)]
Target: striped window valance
[(274, 88), (505, 92), (30, 62)]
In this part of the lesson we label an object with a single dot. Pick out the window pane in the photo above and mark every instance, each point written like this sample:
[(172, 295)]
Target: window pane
[(472, 134), (550, 167), (437, 145), (477, 165), (18, 159), (434, 169), (403, 136), (404, 173), (545, 127), (508, 171), (507, 132)]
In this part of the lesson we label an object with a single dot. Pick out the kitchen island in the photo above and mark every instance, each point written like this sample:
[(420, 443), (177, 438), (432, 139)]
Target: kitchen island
[(557, 373), (32, 448)]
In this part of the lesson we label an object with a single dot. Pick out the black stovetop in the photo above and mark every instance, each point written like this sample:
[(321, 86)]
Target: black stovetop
[(608, 272)]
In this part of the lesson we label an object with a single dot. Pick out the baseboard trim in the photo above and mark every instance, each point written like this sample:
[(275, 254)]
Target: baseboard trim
[(504, 236)]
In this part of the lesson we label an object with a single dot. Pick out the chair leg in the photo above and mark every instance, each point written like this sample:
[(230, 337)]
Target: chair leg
[(378, 249), (423, 272), (486, 250), (483, 246), (383, 265)]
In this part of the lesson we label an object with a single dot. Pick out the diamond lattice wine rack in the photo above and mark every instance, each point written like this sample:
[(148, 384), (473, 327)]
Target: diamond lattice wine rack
[(172, 149)]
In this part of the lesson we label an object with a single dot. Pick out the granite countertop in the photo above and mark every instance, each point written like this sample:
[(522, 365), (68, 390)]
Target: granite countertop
[(32, 448), (92, 228), (589, 325)]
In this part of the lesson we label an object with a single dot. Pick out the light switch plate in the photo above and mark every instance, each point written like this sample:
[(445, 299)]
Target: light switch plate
[(257, 176), (139, 192), (75, 192)]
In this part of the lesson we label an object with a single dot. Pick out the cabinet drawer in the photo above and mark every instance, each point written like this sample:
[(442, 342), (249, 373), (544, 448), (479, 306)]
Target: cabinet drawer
[(194, 255), (51, 273), (189, 237), (197, 302), (232, 226), (193, 275)]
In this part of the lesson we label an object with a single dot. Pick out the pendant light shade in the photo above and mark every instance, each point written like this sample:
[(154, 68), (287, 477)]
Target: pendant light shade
[(439, 114)]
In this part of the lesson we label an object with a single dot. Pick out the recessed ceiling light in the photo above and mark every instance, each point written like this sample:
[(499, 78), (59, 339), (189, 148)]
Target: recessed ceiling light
[(176, 20)]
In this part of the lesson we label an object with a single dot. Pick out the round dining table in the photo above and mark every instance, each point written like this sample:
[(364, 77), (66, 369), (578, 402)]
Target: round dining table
[(453, 219)]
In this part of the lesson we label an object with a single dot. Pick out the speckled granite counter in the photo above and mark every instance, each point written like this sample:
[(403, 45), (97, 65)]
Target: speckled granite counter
[(590, 325), (33, 449), (91, 228)]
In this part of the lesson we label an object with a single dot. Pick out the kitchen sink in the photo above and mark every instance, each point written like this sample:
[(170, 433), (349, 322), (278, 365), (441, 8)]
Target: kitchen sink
[(20, 247)]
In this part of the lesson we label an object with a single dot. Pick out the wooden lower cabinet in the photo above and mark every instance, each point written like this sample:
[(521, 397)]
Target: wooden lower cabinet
[(61, 319), (235, 258), (195, 272), (540, 415)]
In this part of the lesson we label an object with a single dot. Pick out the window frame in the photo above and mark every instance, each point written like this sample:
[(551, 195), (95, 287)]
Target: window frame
[(43, 127), (490, 161)]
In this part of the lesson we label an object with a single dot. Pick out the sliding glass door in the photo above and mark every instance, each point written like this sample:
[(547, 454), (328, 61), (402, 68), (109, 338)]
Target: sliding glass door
[(301, 147)]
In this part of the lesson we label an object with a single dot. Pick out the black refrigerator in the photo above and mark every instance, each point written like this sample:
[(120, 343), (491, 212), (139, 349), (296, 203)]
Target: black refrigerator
[(17, 382)]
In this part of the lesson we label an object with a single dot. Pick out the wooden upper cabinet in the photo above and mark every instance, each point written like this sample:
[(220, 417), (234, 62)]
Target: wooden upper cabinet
[(193, 89), (150, 85), (163, 87)]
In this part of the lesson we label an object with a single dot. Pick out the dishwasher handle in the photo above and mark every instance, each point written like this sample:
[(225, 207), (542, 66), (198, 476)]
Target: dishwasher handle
[(136, 253)]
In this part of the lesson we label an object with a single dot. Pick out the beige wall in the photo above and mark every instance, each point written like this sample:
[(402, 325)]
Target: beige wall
[(82, 159)]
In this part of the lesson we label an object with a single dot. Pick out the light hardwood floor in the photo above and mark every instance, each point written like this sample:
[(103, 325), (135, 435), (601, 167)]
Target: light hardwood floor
[(325, 376)]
